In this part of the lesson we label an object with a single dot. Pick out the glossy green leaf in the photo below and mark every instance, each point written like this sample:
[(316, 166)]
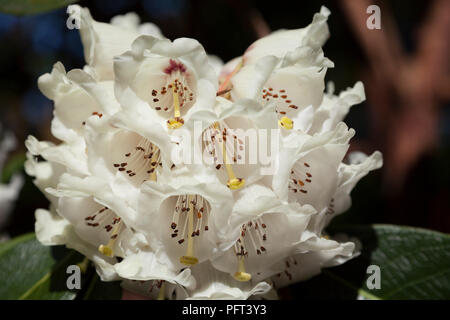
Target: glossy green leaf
[(23, 7), (414, 264), (30, 270)]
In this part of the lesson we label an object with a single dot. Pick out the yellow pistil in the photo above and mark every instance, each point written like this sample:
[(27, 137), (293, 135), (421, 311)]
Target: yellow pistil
[(241, 275), (189, 259), (177, 121), (161, 291), (108, 250), (233, 183), (286, 123)]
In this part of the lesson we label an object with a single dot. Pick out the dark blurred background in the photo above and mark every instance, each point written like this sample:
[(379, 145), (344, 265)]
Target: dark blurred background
[(404, 66)]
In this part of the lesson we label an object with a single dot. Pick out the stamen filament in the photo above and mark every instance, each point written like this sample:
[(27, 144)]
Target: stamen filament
[(177, 121), (189, 259), (176, 103), (108, 250), (228, 166), (233, 183)]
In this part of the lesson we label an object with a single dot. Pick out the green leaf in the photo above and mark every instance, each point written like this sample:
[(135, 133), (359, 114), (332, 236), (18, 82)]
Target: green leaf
[(30, 270), (414, 264), (23, 7)]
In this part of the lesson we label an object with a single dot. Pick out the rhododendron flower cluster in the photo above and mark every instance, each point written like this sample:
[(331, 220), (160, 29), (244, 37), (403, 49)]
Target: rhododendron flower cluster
[(228, 225)]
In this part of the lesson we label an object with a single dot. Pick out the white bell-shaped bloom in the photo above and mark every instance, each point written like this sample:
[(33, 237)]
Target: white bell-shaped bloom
[(237, 140), (77, 96), (309, 258), (348, 176), (280, 42), (334, 108), (164, 80), (262, 231), (231, 226), (185, 218), (308, 166), (102, 41), (214, 284)]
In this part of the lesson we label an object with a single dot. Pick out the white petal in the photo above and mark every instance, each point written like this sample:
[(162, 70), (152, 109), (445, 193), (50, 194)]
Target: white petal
[(280, 42), (316, 254), (308, 171), (51, 229), (144, 265), (72, 157), (46, 174), (349, 176), (146, 74), (213, 284), (102, 41), (216, 63), (77, 96), (334, 108), (271, 230), (157, 213)]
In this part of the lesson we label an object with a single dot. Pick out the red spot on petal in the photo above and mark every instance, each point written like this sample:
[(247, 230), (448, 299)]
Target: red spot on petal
[(175, 66)]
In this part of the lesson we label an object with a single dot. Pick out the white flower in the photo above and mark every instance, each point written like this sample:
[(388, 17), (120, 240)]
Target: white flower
[(85, 175), (53, 226), (103, 41), (230, 139), (209, 283), (308, 258), (281, 42), (77, 96), (308, 172), (334, 108), (347, 177), (217, 285), (262, 231), (10, 191), (185, 221), (294, 84), (164, 80), (286, 68), (221, 228)]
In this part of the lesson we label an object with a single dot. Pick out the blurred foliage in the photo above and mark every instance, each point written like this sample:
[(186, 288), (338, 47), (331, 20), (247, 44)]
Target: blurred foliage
[(37, 272), (14, 165), (23, 7)]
